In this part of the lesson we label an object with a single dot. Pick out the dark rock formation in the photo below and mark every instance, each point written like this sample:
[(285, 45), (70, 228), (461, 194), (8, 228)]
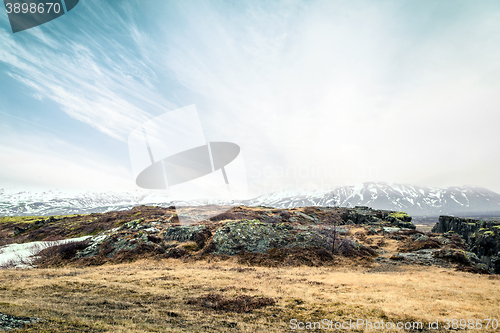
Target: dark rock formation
[(481, 237), (198, 234), (260, 237), (8, 322), (251, 236), (19, 230), (366, 215), (458, 257), (37, 224)]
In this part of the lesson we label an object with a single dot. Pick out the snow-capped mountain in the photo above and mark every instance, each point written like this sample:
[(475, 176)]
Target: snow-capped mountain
[(61, 203), (415, 200)]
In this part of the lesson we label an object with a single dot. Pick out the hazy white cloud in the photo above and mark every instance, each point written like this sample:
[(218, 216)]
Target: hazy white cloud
[(361, 89), (44, 162)]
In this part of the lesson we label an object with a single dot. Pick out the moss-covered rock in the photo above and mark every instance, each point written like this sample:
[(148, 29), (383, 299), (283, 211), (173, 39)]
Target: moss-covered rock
[(400, 216), (481, 237), (259, 237), (195, 233), (457, 256), (251, 236), (312, 239), (368, 216)]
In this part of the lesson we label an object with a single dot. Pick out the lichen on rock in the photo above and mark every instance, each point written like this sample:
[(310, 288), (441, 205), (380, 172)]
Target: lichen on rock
[(251, 236), (195, 233), (259, 237)]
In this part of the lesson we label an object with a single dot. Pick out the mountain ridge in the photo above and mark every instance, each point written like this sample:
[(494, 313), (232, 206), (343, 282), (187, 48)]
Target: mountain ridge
[(413, 199)]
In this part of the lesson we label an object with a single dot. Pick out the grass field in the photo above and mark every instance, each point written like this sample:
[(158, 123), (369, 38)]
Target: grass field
[(171, 296)]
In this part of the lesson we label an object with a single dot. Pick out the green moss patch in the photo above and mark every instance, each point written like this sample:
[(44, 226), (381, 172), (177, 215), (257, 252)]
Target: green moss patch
[(399, 215)]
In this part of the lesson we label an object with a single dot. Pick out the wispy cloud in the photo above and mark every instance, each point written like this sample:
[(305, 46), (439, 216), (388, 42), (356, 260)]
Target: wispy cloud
[(94, 77)]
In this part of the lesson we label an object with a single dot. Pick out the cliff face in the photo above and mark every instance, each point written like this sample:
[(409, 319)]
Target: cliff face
[(482, 237)]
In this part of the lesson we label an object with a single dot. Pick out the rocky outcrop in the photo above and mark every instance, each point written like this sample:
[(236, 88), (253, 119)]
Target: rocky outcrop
[(482, 238), (195, 233), (242, 230), (8, 322), (366, 215), (459, 257), (134, 236), (19, 230), (259, 237), (30, 226), (251, 236)]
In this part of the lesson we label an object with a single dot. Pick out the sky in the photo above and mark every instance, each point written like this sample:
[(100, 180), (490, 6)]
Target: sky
[(317, 94)]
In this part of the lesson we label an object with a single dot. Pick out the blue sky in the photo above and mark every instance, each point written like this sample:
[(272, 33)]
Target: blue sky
[(317, 93)]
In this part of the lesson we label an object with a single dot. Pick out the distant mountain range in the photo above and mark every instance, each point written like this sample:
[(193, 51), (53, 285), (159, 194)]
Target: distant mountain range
[(415, 200), (23, 203)]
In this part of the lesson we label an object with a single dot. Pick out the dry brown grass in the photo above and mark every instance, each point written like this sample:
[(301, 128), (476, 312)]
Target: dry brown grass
[(410, 246), (155, 296)]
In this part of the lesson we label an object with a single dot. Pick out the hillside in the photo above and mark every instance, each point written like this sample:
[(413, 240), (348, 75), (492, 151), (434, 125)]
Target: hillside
[(258, 235)]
